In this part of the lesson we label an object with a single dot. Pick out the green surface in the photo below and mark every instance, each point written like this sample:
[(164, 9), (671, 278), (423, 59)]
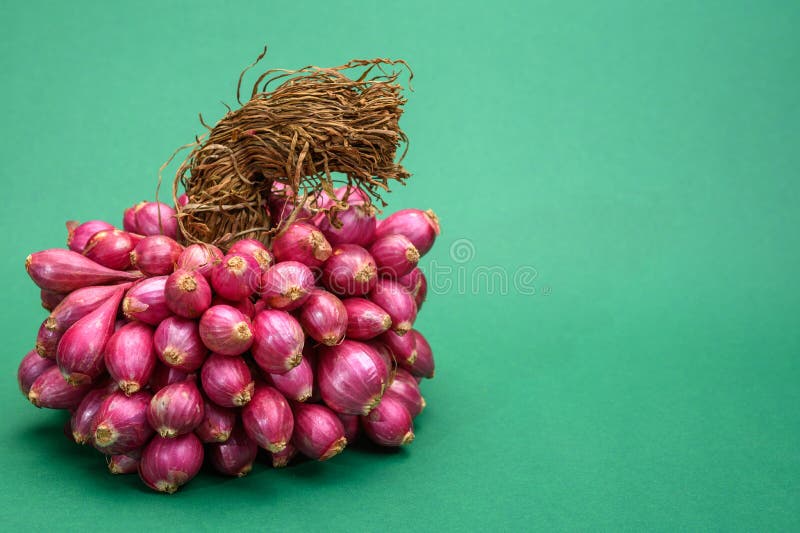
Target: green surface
[(642, 157)]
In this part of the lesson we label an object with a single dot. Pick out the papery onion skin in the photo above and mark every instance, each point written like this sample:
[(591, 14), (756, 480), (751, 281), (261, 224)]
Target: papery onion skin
[(83, 417), (227, 381), (176, 409), (255, 249), (201, 258), (416, 284), (51, 299), (235, 456), (354, 225), (397, 302), (164, 375), (226, 330), (236, 277), (287, 285), (31, 367), (156, 218), (146, 301), (169, 463), (324, 317), (403, 347), (156, 255), (111, 248), (217, 424), (278, 341), (124, 463), (78, 235), (268, 419), (129, 218), (365, 319), (421, 227), (130, 356), (394, 255), (389, 424), (405, 389), (178, 344), (295, 384), (423, 366), (50, 390), (302, 242), (351, 426), (352, 377), (350, 271), (282, 458), (64, 271), (319, 434), (188, 293), (120, 425)]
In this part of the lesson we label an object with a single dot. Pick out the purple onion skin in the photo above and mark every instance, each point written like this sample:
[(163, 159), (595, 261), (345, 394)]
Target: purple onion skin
[(395, 255), (421, 227), (365, 320), (51, 391), (183, 199), (156, 218), (82, 419), (120, 425), (176, 409), (130, 357), (50, 299), (80, 350), (124, 463), (397, 302), (350, 271), (227, 380), (167, 464), (164, 375), (235, 456), (247, 307), (351, 426), (217, 424), (403, 347), (31, 367), (416, 284), (319, 434), (226, 330), (156, 255), (352, 377), (278, 341), (302, 242), (357, 226), (111, 248), (287, 285), (65, 271), (236, 277), (178, 344), (282, 458), (254, 249), (405, 389), (129, 219), (146, 301), (188, 293), (424, 366), (78, 235), (268, 419), (296, 384), (201, 258), (389, 424), (324, 317), (385, 354), (47, 340)]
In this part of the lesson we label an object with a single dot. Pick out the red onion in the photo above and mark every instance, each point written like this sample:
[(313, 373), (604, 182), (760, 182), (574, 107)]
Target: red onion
[(282, 205), (156, 218), (31, 367), (129, 219), (124, 463), (164, 375), (282, 458), (354, 225), (350, 425), (421, 227), (424, 366), (178, 344), (176, 409), (129, 356), (111, 248), (156, 255), (47, 340), (405, 389), (236, 277), (51, 299), (253, 248), (268, 419), (350, 271), (217, 423), (352, 377), (287, 285), (146, 301), (396, 301), (324, 317), (365, 320), (403, 347), (183, 199), (80, 350), (235, 456), (247, 307), (227, 380), (395, 255), (64, 271), (389, 424), (188, 293), (50, 390), (302, 242), (78, 235), (296, 384), (82, 419), (279, 340), (416, 284), (385, 354), (200, 257), (318, 434), (120, 425), (167, 464), (226, 330)]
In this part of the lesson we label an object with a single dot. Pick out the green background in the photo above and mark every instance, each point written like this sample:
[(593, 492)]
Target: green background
[(642, 157)]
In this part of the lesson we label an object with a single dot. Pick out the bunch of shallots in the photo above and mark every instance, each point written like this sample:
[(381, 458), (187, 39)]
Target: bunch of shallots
[(166, 355)]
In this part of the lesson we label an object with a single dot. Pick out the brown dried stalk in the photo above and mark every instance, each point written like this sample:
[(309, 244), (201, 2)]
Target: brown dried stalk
[(316, 122)]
